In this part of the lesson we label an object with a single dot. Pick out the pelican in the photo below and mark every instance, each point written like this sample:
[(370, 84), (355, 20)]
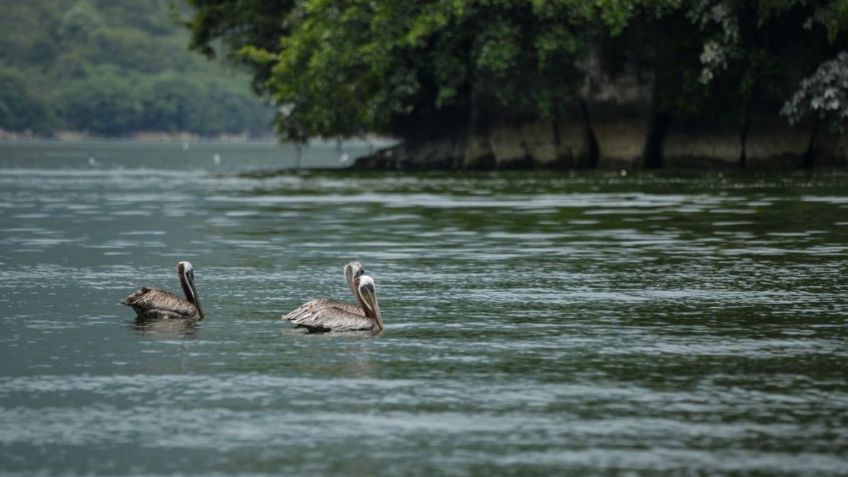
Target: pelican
[(352, 271), (325, 314), (155, 303)]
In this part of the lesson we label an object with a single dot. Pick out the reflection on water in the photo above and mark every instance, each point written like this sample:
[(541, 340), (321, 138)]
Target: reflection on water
[(536, 323), (164, 329)]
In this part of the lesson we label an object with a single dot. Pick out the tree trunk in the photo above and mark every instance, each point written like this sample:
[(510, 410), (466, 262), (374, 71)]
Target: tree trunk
[(477, 133), (298, 153), (593, 149), (810, 154), (743, 138), (652, 154), (656, 139)]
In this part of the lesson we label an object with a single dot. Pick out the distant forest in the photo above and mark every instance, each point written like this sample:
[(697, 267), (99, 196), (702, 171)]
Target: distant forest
[(113, 68)]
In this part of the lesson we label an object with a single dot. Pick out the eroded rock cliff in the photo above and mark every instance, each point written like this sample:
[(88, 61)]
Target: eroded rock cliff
[(616, 124)]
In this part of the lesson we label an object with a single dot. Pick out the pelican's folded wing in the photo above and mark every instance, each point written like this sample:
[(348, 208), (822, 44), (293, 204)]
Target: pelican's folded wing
[(325, 314), (153, 300)]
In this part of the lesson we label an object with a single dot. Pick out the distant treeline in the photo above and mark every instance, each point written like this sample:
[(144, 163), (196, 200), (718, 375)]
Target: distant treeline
[(112, 68)]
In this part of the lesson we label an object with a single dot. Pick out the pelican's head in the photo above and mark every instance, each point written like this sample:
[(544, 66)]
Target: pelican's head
[(185, 269), (368, 293), (352, 271)]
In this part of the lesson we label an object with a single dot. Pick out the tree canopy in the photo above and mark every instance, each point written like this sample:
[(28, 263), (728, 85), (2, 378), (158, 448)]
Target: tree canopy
[(341, 68)]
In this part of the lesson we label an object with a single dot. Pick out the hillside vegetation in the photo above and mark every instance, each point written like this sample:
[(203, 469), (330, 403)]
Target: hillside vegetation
[(112, 68)]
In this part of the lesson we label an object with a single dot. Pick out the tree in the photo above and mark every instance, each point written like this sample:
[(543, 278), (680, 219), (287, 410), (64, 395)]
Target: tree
[(240, 23), (342, 68), (418, 70), (19, 109), (751, 58), (105, 105), (824, 96), (64, 62)]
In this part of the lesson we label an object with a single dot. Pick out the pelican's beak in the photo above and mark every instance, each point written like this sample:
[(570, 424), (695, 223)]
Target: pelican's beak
[(369, 297)]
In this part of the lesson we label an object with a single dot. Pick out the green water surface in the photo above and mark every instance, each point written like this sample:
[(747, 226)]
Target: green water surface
[(538, 323)]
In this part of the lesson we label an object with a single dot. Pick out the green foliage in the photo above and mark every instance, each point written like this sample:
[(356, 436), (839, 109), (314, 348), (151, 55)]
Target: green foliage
[(824, 95), (240, 23), (833, 16), (749, 56), (104, 105), (113, 67), (340, 68), (79, 21), (18, 108)]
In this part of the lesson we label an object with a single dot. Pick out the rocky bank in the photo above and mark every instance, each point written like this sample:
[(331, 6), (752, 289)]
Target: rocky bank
[(614, 124)]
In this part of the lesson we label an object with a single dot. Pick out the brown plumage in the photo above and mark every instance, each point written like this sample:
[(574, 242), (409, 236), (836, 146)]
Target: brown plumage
[(325, 314), (351, 271), (156, 303)]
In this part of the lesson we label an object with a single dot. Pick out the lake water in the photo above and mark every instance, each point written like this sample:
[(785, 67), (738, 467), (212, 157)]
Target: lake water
[(538, 323)]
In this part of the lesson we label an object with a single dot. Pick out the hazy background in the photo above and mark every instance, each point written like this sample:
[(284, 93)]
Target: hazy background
[(115, 68)]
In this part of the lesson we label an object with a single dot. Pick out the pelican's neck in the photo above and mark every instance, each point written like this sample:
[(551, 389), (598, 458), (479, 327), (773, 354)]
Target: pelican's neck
[(190, 292), (350, 283)]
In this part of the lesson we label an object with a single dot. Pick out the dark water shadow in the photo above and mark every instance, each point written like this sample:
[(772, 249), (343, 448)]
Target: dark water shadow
[(326, 334), (164, 329)]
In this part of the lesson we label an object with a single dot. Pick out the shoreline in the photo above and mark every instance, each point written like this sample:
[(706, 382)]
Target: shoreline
[(377, 142), (388, 155), (73, 137)]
